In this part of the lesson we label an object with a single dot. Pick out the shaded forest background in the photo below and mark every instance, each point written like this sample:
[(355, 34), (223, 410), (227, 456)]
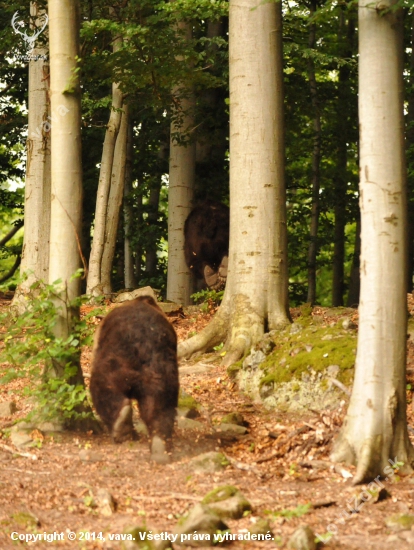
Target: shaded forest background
[(320, 78)]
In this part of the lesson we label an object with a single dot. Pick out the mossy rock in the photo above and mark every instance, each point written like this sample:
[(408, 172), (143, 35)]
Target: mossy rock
[(400, 522), (227, 502)]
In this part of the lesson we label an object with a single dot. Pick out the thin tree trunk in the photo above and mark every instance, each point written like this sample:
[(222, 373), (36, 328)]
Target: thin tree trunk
[(255, 297), (180, 193), (316, 159), (94, 284), (35, 254), (66, 168), (129, 276), (114, 203), (354, 280), (11, 271), (410, 149), (340, 182), (375, 429)]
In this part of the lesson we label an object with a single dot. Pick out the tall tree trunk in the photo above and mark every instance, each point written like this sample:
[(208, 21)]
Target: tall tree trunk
[(180, 192), (114, 202), (375, 429), (129, 276), (94, 284), (66, 169), (151, 257), (410, 149), (35, 255), (340, 183), (255, 297), (316, 160), (354, 279)]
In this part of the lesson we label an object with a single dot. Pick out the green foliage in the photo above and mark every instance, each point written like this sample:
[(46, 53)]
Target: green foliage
[(208, 297), (32, 350)]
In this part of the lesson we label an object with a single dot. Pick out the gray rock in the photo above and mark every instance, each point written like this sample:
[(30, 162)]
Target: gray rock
[(50, 427), (227, 502), (233, 428), (126, 296), (21, 439), (105, 502), (200, 526), (302, 539), (170, 307), (189, 424), (260, 527), (7, 408), (233, 418), (253, 360), (208, 463), (188, 412)]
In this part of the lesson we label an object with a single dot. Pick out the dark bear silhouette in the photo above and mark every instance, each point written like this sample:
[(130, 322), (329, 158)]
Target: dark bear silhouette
[(206, 242), (135, 357)]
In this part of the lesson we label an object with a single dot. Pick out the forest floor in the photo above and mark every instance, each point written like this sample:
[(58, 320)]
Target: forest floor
[(281, 466)]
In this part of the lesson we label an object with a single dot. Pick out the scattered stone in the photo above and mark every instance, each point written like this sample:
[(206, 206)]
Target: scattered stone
[(21, 439), (333, 370), (208, 463), (202, 521), (86, 455), (227, 502), (7, 408), (254, 359), (170, 308), (327, 337), (400, 522), (51, 427), (126, 296), (260, 526), (233, 428), (105, 502), (189, 424), (302, 539), (188, 412), (233, 418)]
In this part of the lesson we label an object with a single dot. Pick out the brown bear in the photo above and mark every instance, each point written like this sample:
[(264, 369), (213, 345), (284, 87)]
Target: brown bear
[(135, 357), (206, 242)]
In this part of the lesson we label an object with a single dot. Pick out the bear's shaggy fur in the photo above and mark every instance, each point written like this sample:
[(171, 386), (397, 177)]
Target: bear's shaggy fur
[(135, 357), (206, 242)]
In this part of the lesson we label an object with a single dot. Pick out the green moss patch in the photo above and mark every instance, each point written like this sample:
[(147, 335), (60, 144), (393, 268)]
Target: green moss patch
[(310, 346)]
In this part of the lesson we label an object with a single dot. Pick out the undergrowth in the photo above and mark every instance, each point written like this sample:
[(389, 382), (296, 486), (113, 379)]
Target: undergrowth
[(32, 350)]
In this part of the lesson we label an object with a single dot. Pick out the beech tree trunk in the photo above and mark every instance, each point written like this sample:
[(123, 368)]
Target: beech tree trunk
[(66, 169), (180, 192), (255, 297), (94, 283), (129, 275), (316, 160), (375, 429), (114, 202), (410, 149), (35, 254)]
